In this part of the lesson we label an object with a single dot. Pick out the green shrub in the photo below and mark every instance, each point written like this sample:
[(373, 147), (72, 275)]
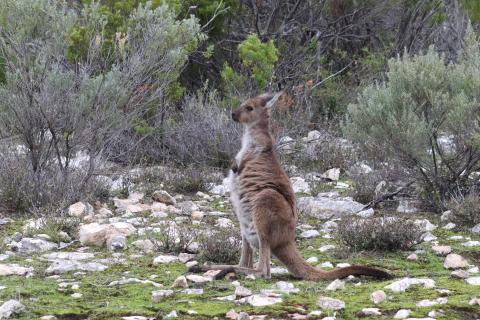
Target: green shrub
[(378, 234), (221, 246), (425, 116)]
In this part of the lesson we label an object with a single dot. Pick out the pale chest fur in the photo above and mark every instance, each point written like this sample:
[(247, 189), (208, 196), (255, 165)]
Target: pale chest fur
[(244, 216)]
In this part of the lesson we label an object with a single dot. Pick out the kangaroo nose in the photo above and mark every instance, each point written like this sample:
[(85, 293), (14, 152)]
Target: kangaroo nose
[(234, 116)]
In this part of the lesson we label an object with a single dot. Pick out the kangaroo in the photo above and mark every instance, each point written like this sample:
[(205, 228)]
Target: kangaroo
[(265, 205)]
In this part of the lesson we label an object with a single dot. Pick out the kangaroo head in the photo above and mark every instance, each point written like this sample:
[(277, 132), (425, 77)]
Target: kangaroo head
[(255, 109)]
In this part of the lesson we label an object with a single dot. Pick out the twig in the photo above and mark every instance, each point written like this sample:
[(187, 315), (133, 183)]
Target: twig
[(332, 75), (384, 197)]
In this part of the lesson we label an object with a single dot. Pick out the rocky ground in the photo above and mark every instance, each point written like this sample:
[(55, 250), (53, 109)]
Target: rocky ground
[(112, 266)]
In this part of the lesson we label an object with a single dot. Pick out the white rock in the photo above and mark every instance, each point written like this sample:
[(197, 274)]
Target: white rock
[(324, 207), (242, 292), (446, 215), (146, 245), (327, 303), (326, 247), (63, 266), (403, 284), (371, 312), (402, 314), (163, 197), (366, 213), (378, 296), (473, 270), (224, 223), (180, 282), (428, 237), (172, 314), (476, 229), (474, 301), (429, 303), (455, 261), (299, 185), (133, 280), (117, 242), (475, 281), (78, 256), (193, 291), (336, 285), (198, 279), (158, 296), (442, 250), (10, 308), (312, 260), (278, 270), (30, 245), (76, 295), (79, 209), (326, 264), (260, 300), (449, 226), (412, 257), (309, 234), (425, 225), (332, 174), (165, 259), (14, 269), (286, 287), (471, 243)]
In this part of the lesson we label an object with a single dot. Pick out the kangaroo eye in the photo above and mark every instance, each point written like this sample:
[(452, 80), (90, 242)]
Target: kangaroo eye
[(249, 108)]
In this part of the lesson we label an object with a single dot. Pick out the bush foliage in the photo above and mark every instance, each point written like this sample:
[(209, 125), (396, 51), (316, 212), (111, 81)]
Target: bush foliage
[(425, 116)]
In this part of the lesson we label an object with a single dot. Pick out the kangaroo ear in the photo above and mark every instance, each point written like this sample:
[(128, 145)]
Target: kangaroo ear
[(269, 99)]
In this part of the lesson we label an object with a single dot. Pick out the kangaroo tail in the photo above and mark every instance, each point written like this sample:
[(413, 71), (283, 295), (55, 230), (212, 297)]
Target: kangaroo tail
[(299, 268)]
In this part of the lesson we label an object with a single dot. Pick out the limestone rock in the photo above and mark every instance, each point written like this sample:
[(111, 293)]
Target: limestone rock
[(158, 296), (10, 308), (261, 300), (327, 303), (455, 261), (14, 269), (30, 245), (180, 282), (163, 197), (403, 284), (378, 296), (442, 250)]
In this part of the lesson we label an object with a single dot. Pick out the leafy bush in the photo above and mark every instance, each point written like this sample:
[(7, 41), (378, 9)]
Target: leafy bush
[(425, 116), (378, 234), (465, 209), (173, 238), (57, 110), (221, 246)]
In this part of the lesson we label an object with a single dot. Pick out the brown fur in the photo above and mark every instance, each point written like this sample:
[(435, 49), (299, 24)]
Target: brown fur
[(266, 193)]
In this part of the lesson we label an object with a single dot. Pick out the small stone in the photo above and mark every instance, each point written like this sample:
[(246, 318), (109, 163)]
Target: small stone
[(241, 292), (336, 285), (428, 237), (473, 270), (190, 264), (460, 274), (198, 279), (10, 308), (309, 234), (158, 296), (76, 295), (330, 303), (14, 269), (197, 215), (343, 265), (171, 315), (185, 257), (79, 209), (455, 261), (196, 291), (312, 260), (224, 223), (231, 315), (429, 303), (472, 243), (163, 197), (180, 282), (378, 296), (403, 284), (476, 229), (48, 317), (286, 287), (446, 215), (261, 300), (449, 226), (442, 250), (146, 246), (165, 259), (474, 301), (475, 281), (243, 316), (402, 314), (412, 257), (370, 312), (326, 248), (326, 264)]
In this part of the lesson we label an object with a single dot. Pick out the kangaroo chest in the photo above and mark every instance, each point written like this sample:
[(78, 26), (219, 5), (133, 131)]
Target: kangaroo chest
[(243, 212)]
